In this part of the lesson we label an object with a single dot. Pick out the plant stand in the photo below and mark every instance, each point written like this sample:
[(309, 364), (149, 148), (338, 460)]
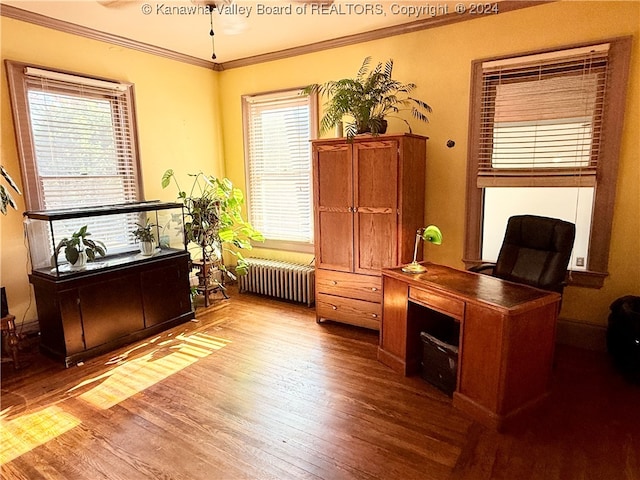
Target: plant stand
[(207, 281)]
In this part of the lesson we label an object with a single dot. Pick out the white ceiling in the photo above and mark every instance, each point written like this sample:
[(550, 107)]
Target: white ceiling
[(244, 29)]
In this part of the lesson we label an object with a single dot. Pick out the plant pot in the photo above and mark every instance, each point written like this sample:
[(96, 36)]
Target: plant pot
[(362, 128), (146, 248), (382, 128), (375, 126), (81, 262)]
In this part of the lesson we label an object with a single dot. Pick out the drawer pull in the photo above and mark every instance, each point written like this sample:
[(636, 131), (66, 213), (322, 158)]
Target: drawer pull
[(334, 307), (333, 282), (374, 289), (374, 315)]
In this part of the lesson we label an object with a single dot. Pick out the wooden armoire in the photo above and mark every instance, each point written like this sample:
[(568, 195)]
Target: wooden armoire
[(368, 203)]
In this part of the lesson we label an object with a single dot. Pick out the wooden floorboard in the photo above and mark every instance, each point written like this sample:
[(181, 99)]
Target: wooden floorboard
[(256, 389)]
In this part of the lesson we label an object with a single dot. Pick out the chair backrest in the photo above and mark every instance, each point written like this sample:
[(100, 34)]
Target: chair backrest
[(536, 251)]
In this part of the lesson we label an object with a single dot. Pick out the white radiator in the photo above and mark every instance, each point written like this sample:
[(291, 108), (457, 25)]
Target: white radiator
[(275, 278)]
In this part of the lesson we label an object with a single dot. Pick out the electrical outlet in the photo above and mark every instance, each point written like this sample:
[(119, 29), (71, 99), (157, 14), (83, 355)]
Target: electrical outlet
[(580, 262)]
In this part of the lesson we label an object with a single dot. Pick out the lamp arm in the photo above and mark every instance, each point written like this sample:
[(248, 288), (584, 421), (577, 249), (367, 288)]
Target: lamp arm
[(415, 247)]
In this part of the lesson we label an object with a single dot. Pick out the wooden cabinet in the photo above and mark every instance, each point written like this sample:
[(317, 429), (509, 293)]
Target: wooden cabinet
[(368, 203), (93, 312)]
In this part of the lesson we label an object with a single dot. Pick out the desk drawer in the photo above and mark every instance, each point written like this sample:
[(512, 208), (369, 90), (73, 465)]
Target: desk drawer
[(441, 303), (352, 285), (349, 310)]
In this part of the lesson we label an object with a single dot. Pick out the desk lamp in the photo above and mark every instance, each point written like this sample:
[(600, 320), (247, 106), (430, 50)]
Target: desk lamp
[(430, 234)]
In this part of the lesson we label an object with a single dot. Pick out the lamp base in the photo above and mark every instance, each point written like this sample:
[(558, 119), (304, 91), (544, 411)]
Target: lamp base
[(414, 267)]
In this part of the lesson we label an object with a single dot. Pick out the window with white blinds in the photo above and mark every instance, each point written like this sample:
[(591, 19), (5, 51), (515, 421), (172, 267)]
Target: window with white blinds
[(542, 118), (278, 130), (77, 147)]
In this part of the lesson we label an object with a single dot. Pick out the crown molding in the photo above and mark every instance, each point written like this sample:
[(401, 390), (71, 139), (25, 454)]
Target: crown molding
[(10, 11), (423, 24)]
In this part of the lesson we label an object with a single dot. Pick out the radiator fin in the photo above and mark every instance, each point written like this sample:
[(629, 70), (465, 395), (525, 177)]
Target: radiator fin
[(275, 278)]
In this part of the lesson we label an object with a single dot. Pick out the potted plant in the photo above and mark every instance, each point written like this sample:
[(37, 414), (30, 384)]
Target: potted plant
[(144, 235), (78, 249), (214, 221), (369, 99)]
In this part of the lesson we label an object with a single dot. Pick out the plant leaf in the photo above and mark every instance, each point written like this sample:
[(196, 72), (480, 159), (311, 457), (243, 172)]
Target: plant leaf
[(226, 234), (9, 180), (166, 178), (71, 254)]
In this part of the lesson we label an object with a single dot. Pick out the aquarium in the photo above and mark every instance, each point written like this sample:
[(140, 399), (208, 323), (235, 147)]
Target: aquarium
[(77, 241)]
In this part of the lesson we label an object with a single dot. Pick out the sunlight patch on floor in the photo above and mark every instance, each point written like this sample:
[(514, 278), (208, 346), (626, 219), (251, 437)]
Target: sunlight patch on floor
[(126, 377), (135, 375), (26, 432)]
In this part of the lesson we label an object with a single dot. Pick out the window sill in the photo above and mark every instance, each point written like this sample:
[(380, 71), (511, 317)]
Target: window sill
[(587, 279), (582, 278), (288, 246)]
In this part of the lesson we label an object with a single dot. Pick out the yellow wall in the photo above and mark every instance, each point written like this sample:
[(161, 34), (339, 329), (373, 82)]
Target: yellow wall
[(178, 124), (438, 61), (185, 113)]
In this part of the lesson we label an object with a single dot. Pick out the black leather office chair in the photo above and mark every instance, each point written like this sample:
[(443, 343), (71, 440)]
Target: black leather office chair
[(535, 251)]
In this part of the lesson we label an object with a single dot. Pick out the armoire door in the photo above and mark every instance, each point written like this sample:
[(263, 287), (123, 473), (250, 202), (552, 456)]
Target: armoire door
[(375, 205), (333, 191)]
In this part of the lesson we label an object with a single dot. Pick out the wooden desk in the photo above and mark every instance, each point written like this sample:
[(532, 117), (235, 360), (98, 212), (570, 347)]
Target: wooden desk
[(507, 336)]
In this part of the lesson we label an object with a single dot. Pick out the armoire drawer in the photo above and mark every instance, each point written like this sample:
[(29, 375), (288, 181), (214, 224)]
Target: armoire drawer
[(363, 287), (349, 310)]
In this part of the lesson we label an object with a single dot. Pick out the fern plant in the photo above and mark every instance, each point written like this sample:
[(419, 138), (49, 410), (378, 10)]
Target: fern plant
[(368, 99)]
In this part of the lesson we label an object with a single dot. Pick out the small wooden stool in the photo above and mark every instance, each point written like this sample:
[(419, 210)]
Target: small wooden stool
[(9, 326)]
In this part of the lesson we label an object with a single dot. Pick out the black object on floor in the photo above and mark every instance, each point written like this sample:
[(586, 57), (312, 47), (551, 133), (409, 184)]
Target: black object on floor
[(623, 336)]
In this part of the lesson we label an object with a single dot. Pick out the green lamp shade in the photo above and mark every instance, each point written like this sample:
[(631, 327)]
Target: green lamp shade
[(432, 234)]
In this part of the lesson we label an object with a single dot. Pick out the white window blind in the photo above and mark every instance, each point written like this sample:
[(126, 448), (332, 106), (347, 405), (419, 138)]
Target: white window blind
[(541, 119), (278, 151), (78, 148)]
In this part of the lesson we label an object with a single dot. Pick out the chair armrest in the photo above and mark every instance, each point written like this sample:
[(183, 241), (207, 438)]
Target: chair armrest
[(483, 268)]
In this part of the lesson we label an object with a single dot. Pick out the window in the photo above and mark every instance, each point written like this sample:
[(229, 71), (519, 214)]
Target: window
[(278, 129), (77, 146), (544, 138)]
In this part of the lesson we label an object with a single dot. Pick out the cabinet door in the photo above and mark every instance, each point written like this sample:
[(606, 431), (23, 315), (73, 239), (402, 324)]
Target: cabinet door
[(376, 205), (111, 309), (165, 293), (333, 191)]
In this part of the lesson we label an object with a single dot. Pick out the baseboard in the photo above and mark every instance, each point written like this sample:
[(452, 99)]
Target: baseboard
[(581, 335), (29, 328)]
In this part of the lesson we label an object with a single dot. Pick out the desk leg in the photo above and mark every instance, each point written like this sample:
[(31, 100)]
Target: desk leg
[(392, 350)]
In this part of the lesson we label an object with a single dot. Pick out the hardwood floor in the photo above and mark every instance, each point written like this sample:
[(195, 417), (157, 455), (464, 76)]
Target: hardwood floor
[(255, 389)]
